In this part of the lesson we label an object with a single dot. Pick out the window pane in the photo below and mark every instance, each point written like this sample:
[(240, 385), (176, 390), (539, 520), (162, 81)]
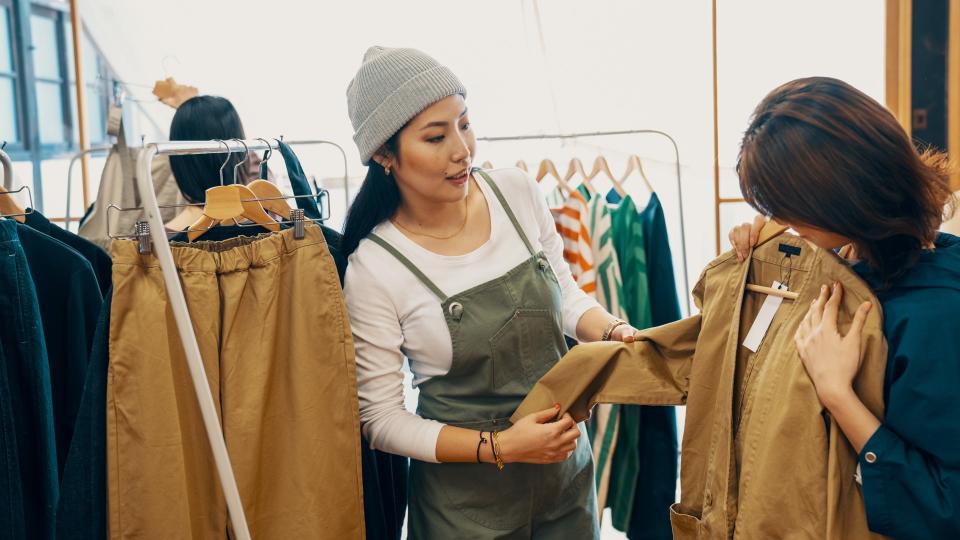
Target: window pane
[(91, 58), (96, 116), (68, 40), (50, 111), (8, 112), (6, 48), (91, 61), (46, 57)]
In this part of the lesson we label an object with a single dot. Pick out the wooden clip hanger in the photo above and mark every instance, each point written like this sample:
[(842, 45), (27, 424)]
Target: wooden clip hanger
[(522, 165), (230, 202), (271, 197), (10, 208)]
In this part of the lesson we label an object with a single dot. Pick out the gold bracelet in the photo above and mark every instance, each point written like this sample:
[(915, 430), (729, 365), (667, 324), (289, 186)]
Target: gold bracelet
[(608, 331), (496, 450)]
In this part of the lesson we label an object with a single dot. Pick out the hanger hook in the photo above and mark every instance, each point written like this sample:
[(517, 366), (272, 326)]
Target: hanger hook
[(225, 161), (268, 152), (246, 152), (164, 66)]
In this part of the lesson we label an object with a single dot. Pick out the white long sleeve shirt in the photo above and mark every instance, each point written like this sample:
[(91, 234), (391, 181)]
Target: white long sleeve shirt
[(394, 316)]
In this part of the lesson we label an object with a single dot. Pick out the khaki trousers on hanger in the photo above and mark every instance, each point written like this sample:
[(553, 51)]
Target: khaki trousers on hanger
[(277, 348)]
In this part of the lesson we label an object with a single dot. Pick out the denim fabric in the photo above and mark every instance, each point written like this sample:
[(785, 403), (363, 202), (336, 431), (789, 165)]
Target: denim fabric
[(29, 447), (69, 299), (82, 509)]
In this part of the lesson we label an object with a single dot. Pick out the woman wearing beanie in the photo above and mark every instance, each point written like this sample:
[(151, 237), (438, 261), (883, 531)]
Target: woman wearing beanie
[(461, 271)]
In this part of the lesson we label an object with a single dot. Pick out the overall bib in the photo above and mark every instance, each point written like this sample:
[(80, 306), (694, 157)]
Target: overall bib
[(506, 334)]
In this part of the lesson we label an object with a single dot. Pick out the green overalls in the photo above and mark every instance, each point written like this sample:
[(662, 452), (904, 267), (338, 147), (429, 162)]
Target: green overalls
[(506, 333)]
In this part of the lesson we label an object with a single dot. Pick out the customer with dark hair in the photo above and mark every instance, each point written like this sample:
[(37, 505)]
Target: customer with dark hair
[(205, 118), (833, 164)]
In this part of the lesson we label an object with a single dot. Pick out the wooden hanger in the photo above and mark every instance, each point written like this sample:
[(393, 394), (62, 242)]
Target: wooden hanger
[(771, 230), (634, 164), (576, 167), (600, 165), (522, 165), (169, 92), (486, 165), (10, 208), (230, 202), (265, 189), (547, 167)]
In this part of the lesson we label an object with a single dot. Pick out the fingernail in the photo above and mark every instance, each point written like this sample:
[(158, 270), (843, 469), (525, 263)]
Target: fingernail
[(823, 289), (836, 284), (556, 405)]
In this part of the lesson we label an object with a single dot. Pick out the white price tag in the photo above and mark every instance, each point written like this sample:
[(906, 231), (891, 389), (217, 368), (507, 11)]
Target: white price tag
[(764, 318)]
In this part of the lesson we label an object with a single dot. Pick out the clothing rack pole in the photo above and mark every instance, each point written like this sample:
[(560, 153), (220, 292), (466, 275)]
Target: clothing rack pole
[(7, 171), (346, 176), (73, 161), (676, 153), (181, 314)]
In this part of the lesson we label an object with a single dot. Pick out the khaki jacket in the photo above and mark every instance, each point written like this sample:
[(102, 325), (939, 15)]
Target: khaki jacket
[(760, 457)]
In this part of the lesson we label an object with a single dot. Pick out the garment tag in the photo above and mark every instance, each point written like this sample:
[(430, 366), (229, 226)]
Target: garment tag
[(764, 318)]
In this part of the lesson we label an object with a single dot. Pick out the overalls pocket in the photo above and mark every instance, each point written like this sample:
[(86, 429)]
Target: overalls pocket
[(524, 349)]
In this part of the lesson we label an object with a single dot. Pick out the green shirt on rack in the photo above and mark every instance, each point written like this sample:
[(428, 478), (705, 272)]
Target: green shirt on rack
[(629, 244), (604, 424)]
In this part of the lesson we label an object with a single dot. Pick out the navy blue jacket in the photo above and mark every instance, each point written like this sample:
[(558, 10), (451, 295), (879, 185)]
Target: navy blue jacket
[(912, 487)]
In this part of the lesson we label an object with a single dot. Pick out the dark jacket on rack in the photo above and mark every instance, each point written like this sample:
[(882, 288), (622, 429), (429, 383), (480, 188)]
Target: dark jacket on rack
[(659, 448), (98, 258), (28, 453), (69, 299), (82, 509)]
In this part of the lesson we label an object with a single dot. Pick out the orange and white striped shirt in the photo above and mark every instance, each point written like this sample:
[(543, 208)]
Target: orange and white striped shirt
[(572, 221)]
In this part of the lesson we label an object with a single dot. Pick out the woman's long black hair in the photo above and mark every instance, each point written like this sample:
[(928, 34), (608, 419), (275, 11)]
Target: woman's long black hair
[(377, 200), (204, 118)]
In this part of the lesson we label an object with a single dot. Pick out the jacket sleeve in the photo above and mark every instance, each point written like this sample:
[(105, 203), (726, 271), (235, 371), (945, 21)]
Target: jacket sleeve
[(911, 466), (654, 370)]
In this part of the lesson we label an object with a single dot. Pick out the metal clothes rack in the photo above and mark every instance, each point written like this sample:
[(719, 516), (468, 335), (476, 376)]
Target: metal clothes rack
[(346, 176), (105, 149), (676, 153), (181, 314)]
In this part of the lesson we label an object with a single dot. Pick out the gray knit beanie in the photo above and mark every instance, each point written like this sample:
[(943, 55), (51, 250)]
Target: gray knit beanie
[(391, 87)]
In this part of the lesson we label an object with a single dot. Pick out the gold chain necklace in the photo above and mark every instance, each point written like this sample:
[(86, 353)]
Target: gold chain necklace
[(466, 214)]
